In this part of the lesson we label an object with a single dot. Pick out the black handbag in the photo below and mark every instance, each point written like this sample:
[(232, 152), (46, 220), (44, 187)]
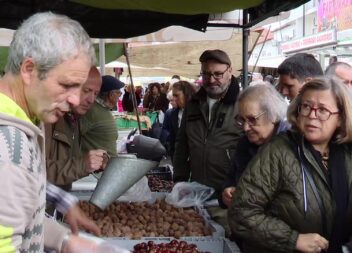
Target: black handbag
[(157, 128)]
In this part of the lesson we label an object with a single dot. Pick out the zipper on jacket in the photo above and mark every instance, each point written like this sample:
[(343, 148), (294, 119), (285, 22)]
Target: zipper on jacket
[(228, 155)]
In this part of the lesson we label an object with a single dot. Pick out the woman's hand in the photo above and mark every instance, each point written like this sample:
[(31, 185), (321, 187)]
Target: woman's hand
[(311, 243), (227, 195)]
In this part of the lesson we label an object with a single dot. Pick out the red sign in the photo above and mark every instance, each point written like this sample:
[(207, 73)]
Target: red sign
[(319, 39)]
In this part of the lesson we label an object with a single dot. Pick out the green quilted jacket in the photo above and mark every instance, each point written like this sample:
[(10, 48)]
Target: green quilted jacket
[(268, 210)]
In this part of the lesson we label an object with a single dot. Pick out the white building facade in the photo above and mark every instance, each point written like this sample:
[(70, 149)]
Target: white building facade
[(320, 27)]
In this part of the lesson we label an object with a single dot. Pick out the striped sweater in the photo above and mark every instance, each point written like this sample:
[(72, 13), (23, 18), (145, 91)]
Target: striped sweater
[(23, 185), (22, 182)]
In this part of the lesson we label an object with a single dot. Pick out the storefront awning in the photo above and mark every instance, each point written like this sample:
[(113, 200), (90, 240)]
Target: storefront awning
[(267, 62)]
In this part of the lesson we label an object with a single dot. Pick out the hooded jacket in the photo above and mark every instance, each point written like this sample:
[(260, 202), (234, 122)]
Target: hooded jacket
[(275, 201), (203, 149), (23, 185)]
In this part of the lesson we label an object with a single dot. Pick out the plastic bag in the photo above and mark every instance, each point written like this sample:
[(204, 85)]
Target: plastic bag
[(139, 192), (109, 247), (161, 117), (188, 194), (102, 246), (121, 145)]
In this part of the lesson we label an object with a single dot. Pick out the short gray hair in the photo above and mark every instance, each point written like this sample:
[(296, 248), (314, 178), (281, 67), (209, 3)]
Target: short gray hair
[(343, 100), (331, 69), (268, 99), (103, 95), (49, 39)]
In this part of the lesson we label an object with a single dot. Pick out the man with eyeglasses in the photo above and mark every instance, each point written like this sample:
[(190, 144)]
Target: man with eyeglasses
[(341, 70), (295, 71), (208, 135)]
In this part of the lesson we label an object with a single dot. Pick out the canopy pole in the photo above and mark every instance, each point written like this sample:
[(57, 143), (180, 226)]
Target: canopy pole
[(261, 49), (102, 56), (245, 34), (134, 100)]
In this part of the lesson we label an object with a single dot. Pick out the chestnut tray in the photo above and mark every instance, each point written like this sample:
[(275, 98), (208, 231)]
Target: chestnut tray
[(220, 245), (217, 230), (163, 172)]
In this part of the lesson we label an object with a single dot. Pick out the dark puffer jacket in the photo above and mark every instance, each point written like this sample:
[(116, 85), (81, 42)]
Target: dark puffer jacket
[(268, 211), (244, 153), (204, 149)]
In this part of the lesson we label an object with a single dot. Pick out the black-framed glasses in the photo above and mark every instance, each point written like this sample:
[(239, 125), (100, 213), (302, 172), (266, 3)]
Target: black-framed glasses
[(216, 75), (250, 120), (321, 113)]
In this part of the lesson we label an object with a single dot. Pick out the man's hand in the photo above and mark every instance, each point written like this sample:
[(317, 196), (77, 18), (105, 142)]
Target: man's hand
[(76, 219), (311, 243), (95, 160), (227, 195)]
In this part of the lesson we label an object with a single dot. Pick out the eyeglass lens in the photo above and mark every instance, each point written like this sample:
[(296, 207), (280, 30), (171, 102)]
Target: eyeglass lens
[(321, 113)]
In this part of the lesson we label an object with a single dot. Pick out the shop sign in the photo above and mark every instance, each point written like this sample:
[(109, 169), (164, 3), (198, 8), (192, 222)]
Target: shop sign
[(312, 41), (334, 14), (344, 37)]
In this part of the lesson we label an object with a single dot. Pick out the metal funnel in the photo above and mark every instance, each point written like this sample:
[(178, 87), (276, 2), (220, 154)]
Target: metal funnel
[(119, 175)]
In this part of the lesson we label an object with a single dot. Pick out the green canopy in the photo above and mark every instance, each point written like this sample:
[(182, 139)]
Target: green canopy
[(112, 52), (4, 52), (126, 19), (188, 7)]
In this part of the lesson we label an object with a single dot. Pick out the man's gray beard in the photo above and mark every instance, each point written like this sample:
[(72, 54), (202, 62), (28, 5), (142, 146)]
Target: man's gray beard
[(217, 92)]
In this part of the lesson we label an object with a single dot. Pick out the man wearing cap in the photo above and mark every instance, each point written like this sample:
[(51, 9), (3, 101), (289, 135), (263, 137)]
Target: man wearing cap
[(98, 126), (208, 135)]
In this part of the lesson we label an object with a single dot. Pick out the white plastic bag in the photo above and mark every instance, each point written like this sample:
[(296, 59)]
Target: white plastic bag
[(161, 116), (121, 147), (139, 192), (188, 194), (103, 246)]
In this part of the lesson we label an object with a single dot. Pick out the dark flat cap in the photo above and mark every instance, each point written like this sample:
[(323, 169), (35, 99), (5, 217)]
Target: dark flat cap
[(110, 83), (215, 55)]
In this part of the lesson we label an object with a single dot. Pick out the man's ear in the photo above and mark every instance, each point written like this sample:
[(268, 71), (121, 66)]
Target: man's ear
[(230, 69), (307, 79), (27, 70)]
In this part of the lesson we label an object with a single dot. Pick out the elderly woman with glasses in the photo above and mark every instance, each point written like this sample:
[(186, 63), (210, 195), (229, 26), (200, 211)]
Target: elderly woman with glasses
[(295, 194), (261, 114)]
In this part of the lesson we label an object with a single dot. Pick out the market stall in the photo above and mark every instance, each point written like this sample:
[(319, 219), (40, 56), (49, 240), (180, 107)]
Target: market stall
[(135, 18)]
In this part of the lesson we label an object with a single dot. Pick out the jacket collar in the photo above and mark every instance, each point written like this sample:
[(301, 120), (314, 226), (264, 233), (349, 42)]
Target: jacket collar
[(229, 98), (307, 153)]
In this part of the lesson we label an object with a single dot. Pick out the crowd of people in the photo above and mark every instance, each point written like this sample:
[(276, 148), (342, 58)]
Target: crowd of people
[(282, 173), (280, 168)]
